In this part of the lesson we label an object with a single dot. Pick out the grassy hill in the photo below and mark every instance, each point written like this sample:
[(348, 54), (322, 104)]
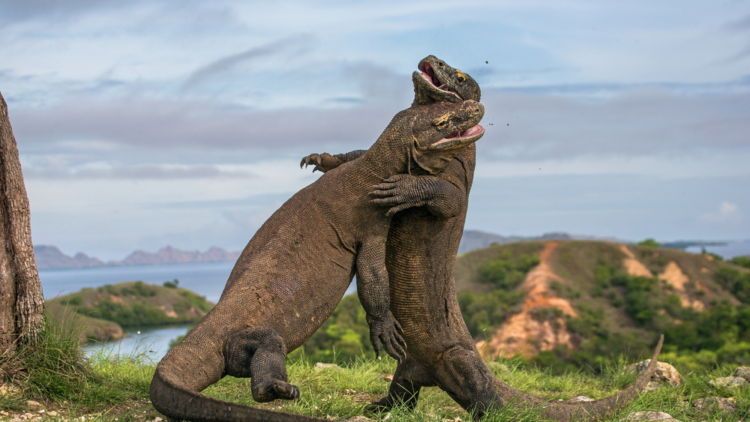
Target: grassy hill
[(582, 302), (101, 313)]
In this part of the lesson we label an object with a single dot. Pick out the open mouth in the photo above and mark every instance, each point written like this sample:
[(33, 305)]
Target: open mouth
[(429, 75), (459, 139)]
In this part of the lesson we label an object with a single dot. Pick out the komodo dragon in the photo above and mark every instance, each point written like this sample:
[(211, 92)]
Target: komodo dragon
[(297, 267), (422, 245)]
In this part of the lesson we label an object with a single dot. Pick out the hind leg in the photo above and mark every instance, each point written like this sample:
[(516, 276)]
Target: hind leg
[(409, 378), (464, 376), (260, 354)]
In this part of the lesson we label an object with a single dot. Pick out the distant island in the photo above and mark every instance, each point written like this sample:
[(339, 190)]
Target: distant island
[(103, 313), (52, 258)]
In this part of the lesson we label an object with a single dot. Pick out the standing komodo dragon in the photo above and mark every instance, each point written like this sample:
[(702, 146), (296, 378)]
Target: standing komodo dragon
[(422, 246), (297, 267)]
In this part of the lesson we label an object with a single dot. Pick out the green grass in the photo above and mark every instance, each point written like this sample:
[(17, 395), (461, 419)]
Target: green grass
[(103, 388)]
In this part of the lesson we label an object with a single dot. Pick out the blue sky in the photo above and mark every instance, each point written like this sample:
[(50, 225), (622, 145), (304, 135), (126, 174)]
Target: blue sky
[(149, 123)]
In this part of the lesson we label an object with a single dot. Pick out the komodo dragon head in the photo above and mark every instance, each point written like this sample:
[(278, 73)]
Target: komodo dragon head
[(438, 132), (436, 81)]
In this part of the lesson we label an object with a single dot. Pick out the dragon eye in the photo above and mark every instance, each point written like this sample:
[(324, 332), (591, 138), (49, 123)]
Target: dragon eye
[(442, 121), (460, 76)]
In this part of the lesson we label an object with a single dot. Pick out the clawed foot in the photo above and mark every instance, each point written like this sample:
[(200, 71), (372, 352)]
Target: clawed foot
[(398, 192), (322, 162), (387, 334), (275, 389)]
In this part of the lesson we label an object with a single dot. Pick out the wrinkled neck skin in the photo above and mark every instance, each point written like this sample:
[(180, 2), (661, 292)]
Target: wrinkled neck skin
[(392, 152)]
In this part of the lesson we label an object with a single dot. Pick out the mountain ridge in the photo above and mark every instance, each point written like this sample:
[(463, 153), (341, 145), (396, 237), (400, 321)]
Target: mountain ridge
[(52, 258)]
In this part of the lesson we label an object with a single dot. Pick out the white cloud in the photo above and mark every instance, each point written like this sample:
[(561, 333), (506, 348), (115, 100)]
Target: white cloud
[(728, 212)]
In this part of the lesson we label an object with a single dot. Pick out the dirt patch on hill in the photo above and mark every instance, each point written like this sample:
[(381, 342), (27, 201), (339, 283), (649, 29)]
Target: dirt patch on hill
[(632, 265), (540, 325), (675, 277)]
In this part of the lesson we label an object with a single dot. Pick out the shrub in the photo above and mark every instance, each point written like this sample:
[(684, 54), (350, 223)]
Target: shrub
[(507, 272), (649, 243), (173, 284), (742, 261), (344, 337), (484, 311), (737, 282)]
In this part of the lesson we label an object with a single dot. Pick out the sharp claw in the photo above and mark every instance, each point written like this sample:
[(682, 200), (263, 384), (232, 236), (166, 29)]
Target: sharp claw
[(384, 186)]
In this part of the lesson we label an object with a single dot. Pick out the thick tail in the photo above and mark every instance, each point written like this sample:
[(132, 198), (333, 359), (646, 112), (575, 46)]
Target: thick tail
[(172, 396), (584, 411)]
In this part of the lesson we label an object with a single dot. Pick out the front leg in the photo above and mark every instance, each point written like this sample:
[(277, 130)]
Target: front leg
[(374, 293), (441, 197), (324, 162)]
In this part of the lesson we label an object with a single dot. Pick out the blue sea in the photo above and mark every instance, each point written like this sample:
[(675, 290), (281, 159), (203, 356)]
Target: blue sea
[(207, 280), (727, 251)]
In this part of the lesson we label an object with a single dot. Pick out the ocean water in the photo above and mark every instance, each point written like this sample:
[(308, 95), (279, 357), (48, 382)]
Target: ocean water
[(205, 279), (147, 344), (151, 344), (728, 251)]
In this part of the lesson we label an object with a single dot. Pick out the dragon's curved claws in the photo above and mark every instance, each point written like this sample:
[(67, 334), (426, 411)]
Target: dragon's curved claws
[(312, 159), (382, 189)]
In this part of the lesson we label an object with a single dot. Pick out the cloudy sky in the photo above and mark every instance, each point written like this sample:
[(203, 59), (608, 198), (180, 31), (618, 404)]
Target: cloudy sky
[(142, 124)]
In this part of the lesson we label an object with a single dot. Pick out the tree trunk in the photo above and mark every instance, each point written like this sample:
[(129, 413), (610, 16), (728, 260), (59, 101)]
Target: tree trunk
[(21, 300)]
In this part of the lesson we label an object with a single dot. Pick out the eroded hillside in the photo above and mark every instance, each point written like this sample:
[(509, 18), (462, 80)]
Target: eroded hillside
[(583, 298)]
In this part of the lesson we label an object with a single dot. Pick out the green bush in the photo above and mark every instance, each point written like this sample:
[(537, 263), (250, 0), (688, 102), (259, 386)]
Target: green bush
[(138, 289), (507, 272), (172, 284), (649, 243), (484, 311), (641, 297), (742, 261), (135, 315), (736, 281), (344, 337)]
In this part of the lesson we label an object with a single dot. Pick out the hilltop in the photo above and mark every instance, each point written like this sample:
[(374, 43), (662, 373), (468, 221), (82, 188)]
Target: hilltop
[(102, 313), (477, 239)]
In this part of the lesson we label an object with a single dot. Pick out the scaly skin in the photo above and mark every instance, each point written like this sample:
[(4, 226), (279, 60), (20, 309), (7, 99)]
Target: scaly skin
[(297, 267), (422, 245)]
